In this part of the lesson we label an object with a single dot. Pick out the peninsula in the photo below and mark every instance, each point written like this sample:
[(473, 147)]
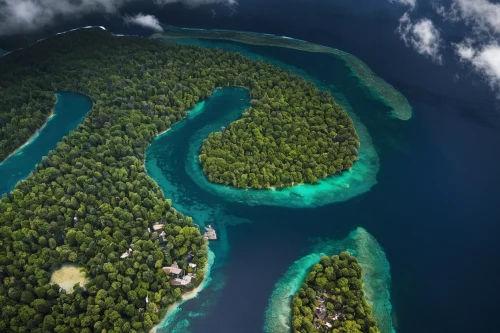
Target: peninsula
[(332, 300), (293, 133)]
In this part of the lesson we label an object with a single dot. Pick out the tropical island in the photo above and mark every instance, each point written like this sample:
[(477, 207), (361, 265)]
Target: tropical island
[(332, 299), (90, 204)]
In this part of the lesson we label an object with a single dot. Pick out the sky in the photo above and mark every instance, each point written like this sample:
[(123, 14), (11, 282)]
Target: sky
[(478, 50)]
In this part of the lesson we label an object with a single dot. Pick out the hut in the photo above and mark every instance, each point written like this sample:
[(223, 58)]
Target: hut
[(157, 227), (173, 270), (126, 253), (185, 280)]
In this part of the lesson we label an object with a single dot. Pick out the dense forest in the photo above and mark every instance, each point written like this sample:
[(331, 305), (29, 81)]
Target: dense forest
[(292, 134), (90, 199), (332, 300)]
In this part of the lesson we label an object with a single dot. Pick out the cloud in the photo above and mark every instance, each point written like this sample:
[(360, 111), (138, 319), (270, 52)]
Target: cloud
[(22, 16), (422, 35), (146, 21), (480, 48), (484, 59), (411, 3), (482, 14), (196, 3)]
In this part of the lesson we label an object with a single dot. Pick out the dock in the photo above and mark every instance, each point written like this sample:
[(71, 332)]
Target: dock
[(210, 233)]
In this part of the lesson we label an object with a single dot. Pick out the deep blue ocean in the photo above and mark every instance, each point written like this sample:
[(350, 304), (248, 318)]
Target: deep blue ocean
[(433, 211), (435, 207)]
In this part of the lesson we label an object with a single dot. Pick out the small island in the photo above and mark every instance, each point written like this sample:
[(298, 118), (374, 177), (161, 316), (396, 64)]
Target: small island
[(332, 299)]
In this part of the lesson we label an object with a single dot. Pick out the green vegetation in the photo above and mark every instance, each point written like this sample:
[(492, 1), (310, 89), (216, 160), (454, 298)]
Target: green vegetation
[(139, 88), (331, 299), (90, 199), (292, 134), (401, 109), (20, 120)]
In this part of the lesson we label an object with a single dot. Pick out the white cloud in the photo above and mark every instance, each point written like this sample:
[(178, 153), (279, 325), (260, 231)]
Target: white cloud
[(485, 60), (483, 14), (21, 16), (422, 35), (196, 3), (146, 21), (481, 48), (411, 3)]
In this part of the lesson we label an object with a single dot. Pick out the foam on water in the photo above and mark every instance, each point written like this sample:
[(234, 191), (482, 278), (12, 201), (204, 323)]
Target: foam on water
[(376, 279)]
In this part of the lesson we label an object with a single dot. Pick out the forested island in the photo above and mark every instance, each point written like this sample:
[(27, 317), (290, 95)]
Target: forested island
[(90, 203), (332, 299), (293, 133)]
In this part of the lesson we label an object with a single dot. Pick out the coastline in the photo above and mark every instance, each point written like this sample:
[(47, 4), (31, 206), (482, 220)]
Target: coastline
[(206, 273), (190, 294), (185, 297), (376, 280), (144, 162), (160, 134), (377, 86), (31, 138)]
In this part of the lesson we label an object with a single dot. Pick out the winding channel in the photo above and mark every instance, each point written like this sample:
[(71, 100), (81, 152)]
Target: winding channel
[(265, 228), (172, 160), (69, 112)]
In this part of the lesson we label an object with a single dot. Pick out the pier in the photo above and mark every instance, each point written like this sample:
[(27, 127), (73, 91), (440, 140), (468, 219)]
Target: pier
[(210, 233)]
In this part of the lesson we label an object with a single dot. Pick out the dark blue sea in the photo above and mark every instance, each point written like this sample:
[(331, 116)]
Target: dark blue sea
[(434, 209)]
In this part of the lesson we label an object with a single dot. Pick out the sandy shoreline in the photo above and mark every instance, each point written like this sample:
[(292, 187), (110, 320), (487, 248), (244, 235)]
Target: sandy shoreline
[(160, 134), (185, 297), (192, 293), (30, 139)]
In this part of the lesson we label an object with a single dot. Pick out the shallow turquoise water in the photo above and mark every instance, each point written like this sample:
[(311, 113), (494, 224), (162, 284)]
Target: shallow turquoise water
[(401, 109), (332, 189), (376, 279), (172, 160), (254, 227), (69, 112), (167, 162)]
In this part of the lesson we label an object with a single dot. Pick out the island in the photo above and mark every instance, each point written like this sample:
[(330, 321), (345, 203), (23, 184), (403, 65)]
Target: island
[(89, 212), (331, 299)]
